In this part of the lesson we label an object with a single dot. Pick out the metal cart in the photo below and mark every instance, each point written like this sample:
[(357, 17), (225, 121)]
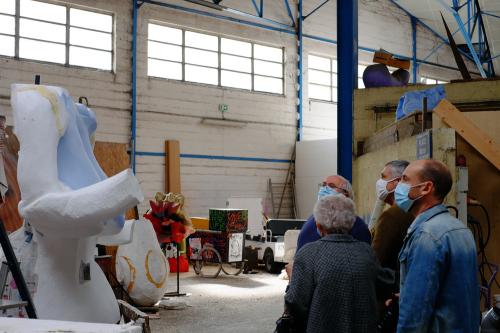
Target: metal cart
[(212, 252)]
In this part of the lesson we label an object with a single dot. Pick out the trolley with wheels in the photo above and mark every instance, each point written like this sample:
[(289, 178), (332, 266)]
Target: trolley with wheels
[(276, 243), (214, 251)]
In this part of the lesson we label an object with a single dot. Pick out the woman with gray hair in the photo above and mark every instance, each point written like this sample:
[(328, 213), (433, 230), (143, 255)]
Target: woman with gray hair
[(336, 279)]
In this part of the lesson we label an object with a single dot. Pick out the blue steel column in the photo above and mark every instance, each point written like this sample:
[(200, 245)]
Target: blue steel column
[(134, 84), (414, 47), (347, 54), (299, 70)]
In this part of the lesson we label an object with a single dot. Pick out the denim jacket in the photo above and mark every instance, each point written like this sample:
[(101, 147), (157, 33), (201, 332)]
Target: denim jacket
[(439, 286)]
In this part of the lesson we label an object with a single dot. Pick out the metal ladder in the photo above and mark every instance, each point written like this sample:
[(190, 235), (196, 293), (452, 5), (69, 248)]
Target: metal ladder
[(12, 265)]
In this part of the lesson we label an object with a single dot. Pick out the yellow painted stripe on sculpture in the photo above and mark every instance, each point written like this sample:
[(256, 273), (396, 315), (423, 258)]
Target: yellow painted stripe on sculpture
[(148, 274), (132, 269), (52, 98)]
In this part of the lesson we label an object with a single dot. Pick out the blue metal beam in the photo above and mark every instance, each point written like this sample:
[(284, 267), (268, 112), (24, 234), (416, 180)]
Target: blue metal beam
[(287, 28), (444, 43), (134, 84), (466, 36), (289, 11), (347, 80), (257, 9), (315, 9), (300, 53), (414, 48), (425, 25)]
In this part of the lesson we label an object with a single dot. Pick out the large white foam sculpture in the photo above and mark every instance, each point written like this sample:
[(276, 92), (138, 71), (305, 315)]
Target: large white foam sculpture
[(68, 201)]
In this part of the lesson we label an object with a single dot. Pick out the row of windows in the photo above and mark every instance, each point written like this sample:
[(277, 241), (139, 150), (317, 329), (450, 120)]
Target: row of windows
[(56, 33), (195, 57), (61, 34)]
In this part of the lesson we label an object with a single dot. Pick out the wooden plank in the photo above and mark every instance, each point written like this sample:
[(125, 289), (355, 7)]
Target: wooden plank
[(172, 166), (400, 130), (388, 59), (482, 142)]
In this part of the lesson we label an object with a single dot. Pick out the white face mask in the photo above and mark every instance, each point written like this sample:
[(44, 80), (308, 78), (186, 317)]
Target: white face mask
[(381, 188)]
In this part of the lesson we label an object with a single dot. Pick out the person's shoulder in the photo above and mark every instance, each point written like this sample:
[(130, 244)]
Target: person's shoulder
[(307, 250), (441, 224)]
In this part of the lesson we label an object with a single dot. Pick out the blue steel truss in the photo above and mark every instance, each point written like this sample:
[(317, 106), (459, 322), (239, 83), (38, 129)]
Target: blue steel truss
[(294, 28), (476, 47)]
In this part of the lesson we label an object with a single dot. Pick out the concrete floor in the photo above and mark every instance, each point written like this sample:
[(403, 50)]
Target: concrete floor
[(244, 304)]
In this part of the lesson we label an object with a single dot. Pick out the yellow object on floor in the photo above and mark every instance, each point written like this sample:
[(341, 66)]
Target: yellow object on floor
[(200, 223)]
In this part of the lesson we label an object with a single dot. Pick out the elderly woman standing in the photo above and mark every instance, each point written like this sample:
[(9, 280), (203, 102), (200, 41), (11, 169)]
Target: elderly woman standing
[(336, 279)]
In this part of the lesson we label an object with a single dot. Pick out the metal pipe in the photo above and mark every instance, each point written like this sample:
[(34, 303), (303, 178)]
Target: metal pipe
[(299, 69), (414, 47), (289, 11), (347, 55), (134, 85)]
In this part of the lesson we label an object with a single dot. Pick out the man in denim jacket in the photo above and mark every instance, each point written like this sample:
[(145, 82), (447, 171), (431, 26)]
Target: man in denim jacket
[(439, 287)]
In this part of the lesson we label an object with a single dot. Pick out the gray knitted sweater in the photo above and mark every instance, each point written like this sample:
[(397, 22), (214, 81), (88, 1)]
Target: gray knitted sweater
[(334, 286)]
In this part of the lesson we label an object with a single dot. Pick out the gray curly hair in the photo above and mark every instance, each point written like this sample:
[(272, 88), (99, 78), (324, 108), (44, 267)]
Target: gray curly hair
[(335, 213)]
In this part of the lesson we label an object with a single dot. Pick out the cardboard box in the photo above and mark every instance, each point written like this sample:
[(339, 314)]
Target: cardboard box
[(228, 220)]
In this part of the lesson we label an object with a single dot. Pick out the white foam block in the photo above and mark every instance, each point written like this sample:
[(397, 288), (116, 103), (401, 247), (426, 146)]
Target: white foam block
[(22, 325)]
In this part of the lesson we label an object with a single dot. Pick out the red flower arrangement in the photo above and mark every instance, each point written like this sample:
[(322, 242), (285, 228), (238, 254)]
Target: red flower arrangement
[(169, 221)]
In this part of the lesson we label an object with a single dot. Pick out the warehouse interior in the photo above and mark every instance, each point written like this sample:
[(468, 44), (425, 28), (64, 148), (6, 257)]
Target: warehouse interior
[(160, 157)]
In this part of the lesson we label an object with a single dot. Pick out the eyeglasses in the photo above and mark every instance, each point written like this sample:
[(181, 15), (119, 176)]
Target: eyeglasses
[(335, 187)]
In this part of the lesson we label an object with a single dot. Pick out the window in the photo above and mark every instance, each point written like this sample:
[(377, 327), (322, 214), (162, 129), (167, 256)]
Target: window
[(56, 33), (203, 58), (428, 80), (322, 78)]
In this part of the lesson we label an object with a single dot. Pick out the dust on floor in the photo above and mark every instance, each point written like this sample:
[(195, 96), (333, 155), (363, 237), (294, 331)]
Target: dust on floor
[(243, 304)]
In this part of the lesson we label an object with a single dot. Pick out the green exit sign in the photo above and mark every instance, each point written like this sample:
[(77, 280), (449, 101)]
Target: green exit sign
[(223, 108)]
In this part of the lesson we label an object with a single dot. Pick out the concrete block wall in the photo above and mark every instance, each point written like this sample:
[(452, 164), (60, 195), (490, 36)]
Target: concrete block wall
[(173, 110)]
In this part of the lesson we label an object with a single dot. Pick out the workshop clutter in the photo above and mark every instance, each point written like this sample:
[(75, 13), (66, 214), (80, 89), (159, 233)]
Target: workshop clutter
[(226, 235), (228, 220)]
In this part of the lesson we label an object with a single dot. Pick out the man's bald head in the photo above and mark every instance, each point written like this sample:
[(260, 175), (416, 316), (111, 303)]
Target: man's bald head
[(435, 172), (340, 183)]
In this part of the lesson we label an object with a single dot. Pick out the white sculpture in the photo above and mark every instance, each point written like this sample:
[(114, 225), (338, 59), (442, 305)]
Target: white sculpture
[(141, 267), (68, 201)]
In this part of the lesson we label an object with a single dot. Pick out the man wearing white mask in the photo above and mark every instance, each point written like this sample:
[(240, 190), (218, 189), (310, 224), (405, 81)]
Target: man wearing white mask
[(390, 229), (333, 185)]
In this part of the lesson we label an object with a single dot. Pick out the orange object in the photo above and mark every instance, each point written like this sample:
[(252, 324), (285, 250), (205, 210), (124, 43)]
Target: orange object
[(200, 223), (386, 58)]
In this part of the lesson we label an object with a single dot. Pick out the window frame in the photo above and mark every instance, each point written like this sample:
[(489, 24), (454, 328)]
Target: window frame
[(219, 67), (67, 44), (333, 73)]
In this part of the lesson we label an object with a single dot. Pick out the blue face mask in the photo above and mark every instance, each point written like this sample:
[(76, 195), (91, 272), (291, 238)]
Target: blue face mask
[(401, 196), (326, 191)]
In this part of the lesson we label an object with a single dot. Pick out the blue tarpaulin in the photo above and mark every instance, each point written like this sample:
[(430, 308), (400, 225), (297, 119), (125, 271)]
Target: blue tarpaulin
[(413, 100)]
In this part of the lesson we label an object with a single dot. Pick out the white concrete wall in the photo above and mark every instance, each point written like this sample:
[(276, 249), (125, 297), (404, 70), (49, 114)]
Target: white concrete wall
[(173, 110)]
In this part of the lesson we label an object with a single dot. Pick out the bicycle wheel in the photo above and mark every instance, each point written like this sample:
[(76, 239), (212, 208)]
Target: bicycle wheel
[(208, 263), (233, 268)]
